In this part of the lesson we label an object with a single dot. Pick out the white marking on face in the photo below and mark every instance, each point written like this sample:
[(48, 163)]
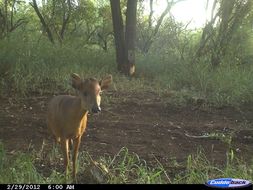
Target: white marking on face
[(98, 100), (98, 96)]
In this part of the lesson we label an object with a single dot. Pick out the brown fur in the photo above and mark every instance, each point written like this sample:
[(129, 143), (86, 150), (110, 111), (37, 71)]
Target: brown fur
[(67, 115)]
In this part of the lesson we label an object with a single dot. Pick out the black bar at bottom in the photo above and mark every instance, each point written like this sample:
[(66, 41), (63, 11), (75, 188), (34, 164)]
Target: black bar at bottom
[(111, 186)]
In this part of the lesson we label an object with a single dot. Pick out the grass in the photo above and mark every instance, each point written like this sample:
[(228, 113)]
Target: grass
[(125, 167), (32, 67), (199, 169), (44, 68), (230, 84), (28, 67), (20, 168)]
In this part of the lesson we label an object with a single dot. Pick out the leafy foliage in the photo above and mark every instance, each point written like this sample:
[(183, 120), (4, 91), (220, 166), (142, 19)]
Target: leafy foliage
[(212, 64)]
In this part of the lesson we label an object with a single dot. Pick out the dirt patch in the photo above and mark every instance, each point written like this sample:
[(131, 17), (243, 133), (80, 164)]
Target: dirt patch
[(143, 123)]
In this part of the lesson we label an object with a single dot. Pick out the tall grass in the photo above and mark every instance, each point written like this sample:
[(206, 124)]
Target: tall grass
[(199, 169), (124, 167), (229, 84), (41, 67), (20, 168), (32, 66), (127, 167)]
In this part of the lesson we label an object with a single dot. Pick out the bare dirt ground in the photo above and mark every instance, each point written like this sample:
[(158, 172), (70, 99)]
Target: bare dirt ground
[(143, 122)]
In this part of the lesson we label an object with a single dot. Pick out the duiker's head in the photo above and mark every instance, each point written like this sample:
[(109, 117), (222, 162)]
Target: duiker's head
[(90, 91)]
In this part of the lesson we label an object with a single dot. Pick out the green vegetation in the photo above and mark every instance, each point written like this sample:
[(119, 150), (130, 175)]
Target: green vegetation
[(43, 68), (40, 45), (199, 169), (176, 59), (124, 167)]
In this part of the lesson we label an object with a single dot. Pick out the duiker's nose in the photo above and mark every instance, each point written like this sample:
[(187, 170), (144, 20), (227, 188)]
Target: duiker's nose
[(96, 109)]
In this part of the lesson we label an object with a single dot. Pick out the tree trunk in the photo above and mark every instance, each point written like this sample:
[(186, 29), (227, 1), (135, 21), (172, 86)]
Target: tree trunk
[(65, 18), (42, 20), (6, 16), (118, 30), (130, 37)]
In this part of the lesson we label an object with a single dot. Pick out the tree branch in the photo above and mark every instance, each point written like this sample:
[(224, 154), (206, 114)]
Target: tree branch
[(18, 23), (42, 20), (12, 10), (150, 14)]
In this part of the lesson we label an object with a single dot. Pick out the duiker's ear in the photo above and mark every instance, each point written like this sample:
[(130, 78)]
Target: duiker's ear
[(105, 83), (76, 80)]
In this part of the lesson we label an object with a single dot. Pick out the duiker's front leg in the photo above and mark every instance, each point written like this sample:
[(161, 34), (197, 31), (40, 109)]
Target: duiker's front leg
[(76, 143)]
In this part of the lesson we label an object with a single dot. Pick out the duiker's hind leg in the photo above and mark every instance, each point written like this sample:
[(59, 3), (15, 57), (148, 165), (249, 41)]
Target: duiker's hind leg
[(70, 144), (65, 150)]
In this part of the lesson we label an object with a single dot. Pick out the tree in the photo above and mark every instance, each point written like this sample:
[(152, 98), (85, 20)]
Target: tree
[(104, 30), (58, 10), (219, 34), (149, 27), (124, 40), (45, 26), (9, 20)]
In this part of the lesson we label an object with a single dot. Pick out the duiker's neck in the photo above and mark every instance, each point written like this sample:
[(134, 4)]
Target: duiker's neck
[(80, 106)]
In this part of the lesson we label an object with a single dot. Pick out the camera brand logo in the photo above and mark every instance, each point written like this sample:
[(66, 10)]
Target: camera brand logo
[(228, 183)]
